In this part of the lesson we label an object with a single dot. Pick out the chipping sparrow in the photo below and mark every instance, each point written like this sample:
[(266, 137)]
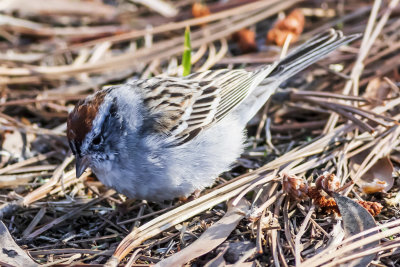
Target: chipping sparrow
[(161, 138)]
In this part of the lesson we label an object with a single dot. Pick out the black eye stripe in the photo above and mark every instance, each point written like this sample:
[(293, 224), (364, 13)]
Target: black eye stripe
[(71, 145), (77, 148)]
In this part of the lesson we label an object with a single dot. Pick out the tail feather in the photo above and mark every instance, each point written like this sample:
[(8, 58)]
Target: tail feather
[(309, 53), (268, 79)]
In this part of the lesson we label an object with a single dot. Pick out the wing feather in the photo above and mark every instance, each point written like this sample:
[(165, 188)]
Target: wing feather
[(182, 108)]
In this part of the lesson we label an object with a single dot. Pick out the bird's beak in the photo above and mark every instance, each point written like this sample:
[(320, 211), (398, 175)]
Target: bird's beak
[(82, 163)]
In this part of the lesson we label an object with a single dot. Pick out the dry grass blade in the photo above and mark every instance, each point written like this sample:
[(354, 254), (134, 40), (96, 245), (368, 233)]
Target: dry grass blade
[(160, 6), (368, 40), (54, 180), (70, 214), (34, 222), (58, 7), (351, 243), (27, 27), (169, 219), (298, 247), (26, 162), (211, 238)]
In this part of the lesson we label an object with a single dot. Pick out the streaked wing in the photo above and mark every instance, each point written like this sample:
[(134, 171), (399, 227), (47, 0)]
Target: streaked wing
[(180, 108), (183, 107), (234, 85)]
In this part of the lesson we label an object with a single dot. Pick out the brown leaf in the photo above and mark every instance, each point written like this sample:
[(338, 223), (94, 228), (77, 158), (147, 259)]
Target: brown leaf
[(246, 40), (14, 144), (200, 10), (355, 220), (279, 36), (294, 186), (292, 25), (211, 238), (378, 178), (376, 91), (10, 252), (328, 182)]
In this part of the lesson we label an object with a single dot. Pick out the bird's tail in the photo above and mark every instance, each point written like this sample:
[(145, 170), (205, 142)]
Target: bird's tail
[(268, 79), (310, 52)]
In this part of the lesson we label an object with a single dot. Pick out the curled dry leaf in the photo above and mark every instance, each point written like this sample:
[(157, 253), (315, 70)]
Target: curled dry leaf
[(379, 178), (374, 187), (294, 186), (246, 40), (328, 182), (292, 25), (355, 220)]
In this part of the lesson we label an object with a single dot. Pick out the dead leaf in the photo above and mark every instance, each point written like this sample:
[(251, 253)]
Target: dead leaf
[(211, 238), (14, 144), (246, 40), (355, 220), (378, 178), (10, 252), (376, 91), (14, 180), (200, 10), (292, 25), (328, 182), (294, 186)]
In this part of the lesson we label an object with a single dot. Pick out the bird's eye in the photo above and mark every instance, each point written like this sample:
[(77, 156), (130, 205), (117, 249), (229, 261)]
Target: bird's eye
[(97, 140)]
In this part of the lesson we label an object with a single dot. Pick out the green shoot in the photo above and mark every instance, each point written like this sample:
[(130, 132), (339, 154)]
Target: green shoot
[(187, 50)]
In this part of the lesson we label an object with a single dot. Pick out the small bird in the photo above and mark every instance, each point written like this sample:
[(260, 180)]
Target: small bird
[(166, 137)]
